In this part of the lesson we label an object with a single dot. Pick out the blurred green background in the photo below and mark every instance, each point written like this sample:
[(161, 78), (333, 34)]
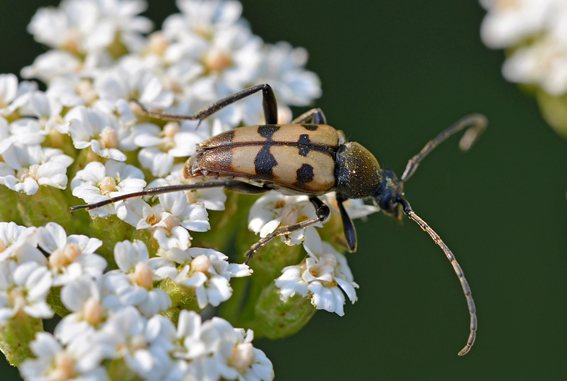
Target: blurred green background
[(394, 74)]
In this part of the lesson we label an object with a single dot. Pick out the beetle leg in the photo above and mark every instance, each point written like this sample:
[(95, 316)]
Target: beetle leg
[(269, 104), (237, 186), (322, 211), (348, 226), (315, 115)]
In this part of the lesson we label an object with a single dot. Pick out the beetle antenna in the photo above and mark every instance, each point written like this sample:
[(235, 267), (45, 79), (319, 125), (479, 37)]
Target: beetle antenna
[(458, 270), (477, 123)]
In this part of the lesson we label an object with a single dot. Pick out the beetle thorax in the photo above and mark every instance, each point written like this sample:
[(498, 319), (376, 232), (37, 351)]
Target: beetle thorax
[(357, 171)]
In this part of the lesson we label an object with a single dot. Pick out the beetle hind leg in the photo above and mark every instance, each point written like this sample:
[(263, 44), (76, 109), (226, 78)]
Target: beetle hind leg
[(315, 116), (269, 105), (322, 211)]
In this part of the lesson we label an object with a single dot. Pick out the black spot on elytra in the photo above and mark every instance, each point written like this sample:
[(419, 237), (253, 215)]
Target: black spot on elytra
[(229, 136), (264, 162), (303, 144), (310, 127), (305, 174), (267, 130)]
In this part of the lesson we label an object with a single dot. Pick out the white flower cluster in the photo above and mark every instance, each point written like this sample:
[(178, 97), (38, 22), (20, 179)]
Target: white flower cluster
[(154, 349), (98, 61), (535, 32), (114, 315), (324, 276), (321, 276), (83, 128)]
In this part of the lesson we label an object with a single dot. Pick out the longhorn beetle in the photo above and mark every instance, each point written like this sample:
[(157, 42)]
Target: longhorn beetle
[(306, 157)]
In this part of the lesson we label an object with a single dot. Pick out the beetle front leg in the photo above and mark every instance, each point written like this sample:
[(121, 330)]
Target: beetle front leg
[(348, 226), (269, 104), (322, 211)]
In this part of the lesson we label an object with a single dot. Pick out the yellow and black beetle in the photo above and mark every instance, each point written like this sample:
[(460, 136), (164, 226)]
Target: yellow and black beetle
[(307, 157)]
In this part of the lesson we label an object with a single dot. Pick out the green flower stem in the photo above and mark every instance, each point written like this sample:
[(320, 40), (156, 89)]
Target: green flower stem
[(275, 319), (223, 225), (111, 230), (145, 235), (46, 205), (16, 335), (64, 142), (267, 265), (79, 164), (118, 370), (54, 300), (554, 110), (9, 209), (182, 298), (333, 232)]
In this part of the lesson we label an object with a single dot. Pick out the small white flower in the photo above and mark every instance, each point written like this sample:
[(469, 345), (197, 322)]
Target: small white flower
[(194, 339), (45, 108), (143, 347), (84, 298), (216, 350), (535, 31), (171, 219), (323, 277), (50, 65), (93, 128), (81, 26), (543, 63), (132, 285), (509, 22), (208, 272), (238, 359), (162, 146), (19, 243), (125, 82), (98, 182), (80, 360), (8, 89), (202, 18), (356, 208), (274, 210), (283, 68), (211, 198), (24, 289), (24, 131), (70, 257), (70, 92), (35, 166)]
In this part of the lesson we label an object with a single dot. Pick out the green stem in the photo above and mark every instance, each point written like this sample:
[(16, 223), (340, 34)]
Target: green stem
[(16, 335), (8, 209)]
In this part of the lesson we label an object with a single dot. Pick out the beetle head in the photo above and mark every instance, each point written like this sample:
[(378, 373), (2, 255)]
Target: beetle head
[(389, 194)]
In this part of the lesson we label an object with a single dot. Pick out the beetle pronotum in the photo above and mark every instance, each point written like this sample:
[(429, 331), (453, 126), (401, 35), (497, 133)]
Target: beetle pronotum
[(308, 159)]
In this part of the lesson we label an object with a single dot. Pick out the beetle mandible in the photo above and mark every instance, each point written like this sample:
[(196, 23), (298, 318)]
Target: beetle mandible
[(307, 157)]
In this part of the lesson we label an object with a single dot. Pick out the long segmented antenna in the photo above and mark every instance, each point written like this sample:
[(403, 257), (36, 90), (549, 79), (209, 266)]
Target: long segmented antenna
[(477, 123), (458, 270)]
